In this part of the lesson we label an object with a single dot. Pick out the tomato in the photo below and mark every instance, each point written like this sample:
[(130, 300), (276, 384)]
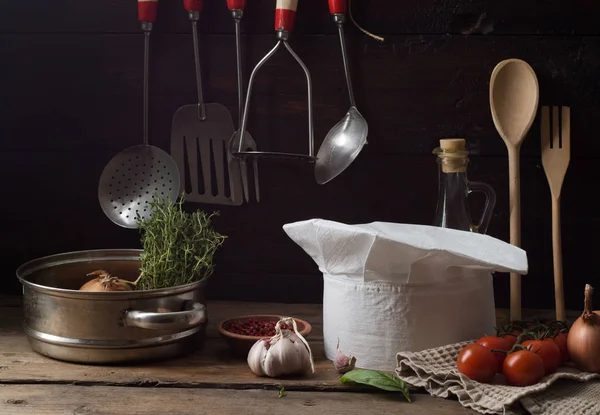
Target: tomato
[(548, 351), (561, 342), (477, 363), (498, 343), (523, 368), (511, 337)]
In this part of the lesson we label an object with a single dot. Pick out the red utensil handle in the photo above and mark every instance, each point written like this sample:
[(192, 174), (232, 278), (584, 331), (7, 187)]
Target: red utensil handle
[(338, 6), (147, 10), (285, 14), (236, 4), (193, 5)]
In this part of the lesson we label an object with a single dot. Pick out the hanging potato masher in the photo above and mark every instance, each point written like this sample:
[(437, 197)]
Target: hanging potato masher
[(285, 15)]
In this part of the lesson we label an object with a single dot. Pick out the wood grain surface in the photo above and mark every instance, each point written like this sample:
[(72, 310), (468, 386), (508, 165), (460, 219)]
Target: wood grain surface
[(208, 380), (70, 81), (81, 400), (211, 366)]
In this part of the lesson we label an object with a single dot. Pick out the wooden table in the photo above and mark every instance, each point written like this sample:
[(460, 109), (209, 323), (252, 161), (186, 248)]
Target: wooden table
[(209, 381)]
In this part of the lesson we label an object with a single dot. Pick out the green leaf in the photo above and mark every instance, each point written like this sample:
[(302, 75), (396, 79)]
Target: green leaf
[(377, 379), (281, 392)]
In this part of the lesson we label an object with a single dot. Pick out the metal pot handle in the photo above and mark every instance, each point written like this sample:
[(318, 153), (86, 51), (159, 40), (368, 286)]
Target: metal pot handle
[(193, 315)]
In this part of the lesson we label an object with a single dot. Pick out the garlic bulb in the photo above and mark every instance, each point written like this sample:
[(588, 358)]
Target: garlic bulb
[(286, 353), (343, 363)]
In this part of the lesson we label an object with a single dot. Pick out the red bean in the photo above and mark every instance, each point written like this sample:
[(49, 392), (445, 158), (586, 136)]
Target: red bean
[(251, 327)]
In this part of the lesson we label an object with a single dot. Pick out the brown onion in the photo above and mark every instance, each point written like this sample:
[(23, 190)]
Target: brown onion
[(583, 340), (106, 282)]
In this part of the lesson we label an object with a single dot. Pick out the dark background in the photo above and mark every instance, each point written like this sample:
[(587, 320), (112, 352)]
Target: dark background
[(70, 87)]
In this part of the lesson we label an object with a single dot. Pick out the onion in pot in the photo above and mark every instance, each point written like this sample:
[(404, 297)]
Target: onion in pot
[(106, 282), (583, 341)]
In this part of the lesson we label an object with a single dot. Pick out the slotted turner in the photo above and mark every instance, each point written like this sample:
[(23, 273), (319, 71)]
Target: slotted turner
[(200, 134), (556, 154)]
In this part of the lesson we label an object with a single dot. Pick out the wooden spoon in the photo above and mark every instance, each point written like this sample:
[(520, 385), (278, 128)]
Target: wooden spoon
[(514, 96)]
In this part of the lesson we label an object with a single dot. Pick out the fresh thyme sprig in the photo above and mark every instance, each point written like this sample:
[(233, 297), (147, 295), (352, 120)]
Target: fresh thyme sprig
[(178, 247)]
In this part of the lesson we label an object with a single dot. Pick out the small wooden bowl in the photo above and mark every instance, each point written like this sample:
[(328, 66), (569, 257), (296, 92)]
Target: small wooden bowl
[(241, 344)]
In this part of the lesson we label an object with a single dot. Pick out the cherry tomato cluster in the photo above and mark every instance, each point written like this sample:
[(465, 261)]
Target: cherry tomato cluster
[(524, 352)]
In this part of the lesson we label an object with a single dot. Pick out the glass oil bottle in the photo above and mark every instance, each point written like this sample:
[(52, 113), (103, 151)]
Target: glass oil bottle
[(454, 188)]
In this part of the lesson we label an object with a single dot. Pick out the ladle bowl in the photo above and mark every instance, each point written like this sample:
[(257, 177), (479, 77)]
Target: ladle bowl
[(347, 138), (341, 146)]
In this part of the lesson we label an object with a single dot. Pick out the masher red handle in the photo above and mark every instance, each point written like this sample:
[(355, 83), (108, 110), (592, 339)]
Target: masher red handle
[(147, 10), (285, 14), (193, 5), (236, 4), (338, 6)]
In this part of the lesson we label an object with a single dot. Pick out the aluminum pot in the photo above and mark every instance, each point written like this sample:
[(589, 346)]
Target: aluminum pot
[(107, 327)]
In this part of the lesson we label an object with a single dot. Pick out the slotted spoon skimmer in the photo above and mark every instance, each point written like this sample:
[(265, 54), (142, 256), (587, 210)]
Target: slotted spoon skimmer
[(132, 177)]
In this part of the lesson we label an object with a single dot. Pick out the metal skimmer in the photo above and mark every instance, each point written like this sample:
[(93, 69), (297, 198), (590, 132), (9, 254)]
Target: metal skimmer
[(132, 177), (285, 15)]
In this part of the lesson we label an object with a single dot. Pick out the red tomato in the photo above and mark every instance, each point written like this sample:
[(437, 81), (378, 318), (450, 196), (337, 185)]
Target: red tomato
[(523, 368), (512, 337), (548, 351), (477, 363), (498, 343), (561, 342)]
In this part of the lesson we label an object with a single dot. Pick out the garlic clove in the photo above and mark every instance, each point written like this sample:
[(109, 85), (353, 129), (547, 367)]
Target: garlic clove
[(303, 340), (343, 363), (288, 356), (257, 355)]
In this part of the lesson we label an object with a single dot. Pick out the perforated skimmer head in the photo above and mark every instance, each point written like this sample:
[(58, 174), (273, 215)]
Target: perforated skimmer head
[(130, 180)]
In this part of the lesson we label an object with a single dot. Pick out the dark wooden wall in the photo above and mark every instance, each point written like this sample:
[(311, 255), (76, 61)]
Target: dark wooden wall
[(70, 88)]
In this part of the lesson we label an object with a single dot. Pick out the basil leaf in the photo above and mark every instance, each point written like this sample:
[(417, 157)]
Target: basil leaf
[(377, 379)]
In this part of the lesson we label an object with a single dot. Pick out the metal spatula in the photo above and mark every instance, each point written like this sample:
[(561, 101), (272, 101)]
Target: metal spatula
[(199, 141), (236, 7)]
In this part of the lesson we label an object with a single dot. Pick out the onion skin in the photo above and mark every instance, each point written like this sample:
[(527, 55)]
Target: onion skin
[(106, 283), (583, 341)]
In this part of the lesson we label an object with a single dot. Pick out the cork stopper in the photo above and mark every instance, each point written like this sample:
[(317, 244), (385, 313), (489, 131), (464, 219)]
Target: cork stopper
[(453, 155), (454, 145)]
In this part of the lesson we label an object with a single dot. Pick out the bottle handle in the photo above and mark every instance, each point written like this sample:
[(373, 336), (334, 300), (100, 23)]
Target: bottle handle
[(488, 208)]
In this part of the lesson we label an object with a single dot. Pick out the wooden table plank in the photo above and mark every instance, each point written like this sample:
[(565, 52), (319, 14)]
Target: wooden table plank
[(209, 378), (211, 366), (71, 399)]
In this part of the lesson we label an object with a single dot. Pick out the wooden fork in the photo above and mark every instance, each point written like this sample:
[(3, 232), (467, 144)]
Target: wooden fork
[(556, 153)]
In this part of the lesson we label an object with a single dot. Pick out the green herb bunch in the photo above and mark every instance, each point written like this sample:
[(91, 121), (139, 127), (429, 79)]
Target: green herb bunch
[(178, 247)]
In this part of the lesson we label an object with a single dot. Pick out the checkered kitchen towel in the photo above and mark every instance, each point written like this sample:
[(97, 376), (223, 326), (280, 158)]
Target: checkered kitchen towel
[(566, 392)]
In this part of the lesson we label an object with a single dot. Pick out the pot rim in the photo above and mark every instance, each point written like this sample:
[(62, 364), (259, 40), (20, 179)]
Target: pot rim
[(48, 261)]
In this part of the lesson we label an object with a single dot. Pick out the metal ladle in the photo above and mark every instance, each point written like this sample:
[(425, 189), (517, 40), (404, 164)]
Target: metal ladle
[(347, 138)]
